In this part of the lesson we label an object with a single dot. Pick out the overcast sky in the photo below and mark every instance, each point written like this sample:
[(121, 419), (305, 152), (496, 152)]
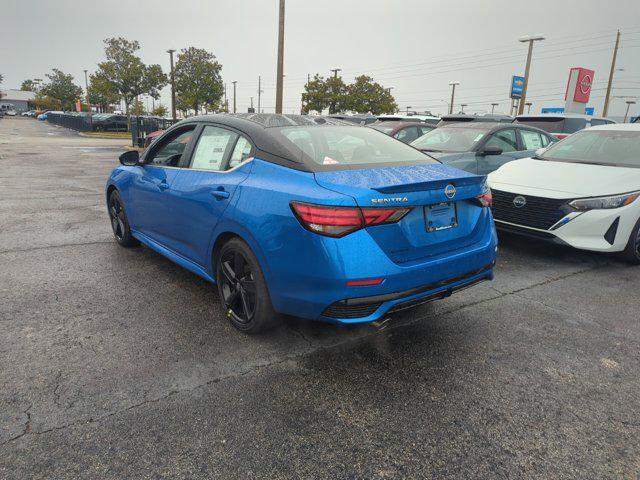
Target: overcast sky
[(415, 46)]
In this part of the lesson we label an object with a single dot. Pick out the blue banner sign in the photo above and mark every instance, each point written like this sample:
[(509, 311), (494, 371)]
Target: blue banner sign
[(517, 84)]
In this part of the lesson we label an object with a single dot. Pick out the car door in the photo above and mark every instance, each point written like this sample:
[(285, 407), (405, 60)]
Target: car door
[(505, 139), (151, 197), (207, 187)]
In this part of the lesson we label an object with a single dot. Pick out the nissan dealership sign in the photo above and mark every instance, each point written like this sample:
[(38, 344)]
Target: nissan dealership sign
[(578, 89)]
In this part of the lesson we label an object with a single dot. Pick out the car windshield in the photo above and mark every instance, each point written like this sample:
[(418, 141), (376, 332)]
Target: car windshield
[(599, 147), (345, 145), (449, 139)]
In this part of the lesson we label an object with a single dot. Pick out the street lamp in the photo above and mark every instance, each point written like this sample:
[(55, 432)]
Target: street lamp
[(626, 114), (408, 107), (493, 107), (86, 87), (173, 84), (453, 94), (528, 104), (462, 105), (528, 39)]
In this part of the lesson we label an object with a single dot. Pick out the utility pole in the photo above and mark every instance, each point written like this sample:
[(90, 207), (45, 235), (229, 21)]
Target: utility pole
[(280, 68), (173, 84), (453, 94), (493, 107), (335, 72), (260, 91), (234, 95), (605, 109), (86, 85), (530, 39), (626, 114), (251, 108), (226, 103)]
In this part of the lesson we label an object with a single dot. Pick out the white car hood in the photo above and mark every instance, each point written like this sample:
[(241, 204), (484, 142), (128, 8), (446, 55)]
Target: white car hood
[(550, 179)]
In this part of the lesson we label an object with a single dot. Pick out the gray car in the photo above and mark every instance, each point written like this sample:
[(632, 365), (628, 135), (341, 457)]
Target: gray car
[(482, 147)]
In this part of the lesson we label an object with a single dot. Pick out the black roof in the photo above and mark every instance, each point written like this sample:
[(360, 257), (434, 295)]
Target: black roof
[(258, 127)]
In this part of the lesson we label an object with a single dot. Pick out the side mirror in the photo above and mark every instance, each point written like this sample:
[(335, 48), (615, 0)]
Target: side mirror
[(130, 158), (491, 150), (540, 151)]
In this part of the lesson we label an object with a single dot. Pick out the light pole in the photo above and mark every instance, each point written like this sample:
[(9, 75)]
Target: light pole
[(462, 105), (453, 94), (493, 107), (528, 104), (280, 67), (626, 114), (234, 96), (173, 85), (408, 107), (605, 109), (529, 39), (86, 86), (260, 92)]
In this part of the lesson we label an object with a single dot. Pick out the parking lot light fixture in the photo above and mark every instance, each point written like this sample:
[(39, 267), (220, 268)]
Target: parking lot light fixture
[(408, 107), (173, 84), (86, 86), (462, 105), (453, 94), (493, 107), (626, 114), (528, 39)]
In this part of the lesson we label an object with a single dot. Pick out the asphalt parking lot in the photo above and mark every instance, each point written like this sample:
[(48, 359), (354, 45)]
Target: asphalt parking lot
[(119, 364)]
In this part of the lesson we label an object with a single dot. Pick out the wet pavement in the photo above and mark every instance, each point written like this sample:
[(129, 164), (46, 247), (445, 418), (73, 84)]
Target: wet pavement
[(116, 363)]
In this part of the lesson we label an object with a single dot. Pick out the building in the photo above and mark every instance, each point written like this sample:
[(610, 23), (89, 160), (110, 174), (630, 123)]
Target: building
[(18, 98)]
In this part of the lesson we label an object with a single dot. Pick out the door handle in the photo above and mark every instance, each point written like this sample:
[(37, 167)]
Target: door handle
[(163, 185), (220, 194)]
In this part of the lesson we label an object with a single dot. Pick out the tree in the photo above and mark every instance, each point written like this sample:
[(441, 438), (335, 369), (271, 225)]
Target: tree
[(47, 103), (198, 80), (138, 108), (367, 96), (29, 86), (314, 97), (159, 111), (102, 92), (61, 87), (127, 74)]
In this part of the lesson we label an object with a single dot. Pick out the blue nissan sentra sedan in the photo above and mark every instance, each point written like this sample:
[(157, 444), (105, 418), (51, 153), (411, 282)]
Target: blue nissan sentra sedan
[(306, 216)]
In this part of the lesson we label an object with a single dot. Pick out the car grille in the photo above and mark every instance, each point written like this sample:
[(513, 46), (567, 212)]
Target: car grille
[(539, 212)]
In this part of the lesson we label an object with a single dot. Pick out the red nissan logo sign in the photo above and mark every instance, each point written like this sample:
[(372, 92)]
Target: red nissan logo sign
[(585, 84)]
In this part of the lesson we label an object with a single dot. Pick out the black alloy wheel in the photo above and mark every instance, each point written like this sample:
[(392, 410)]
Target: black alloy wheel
[(238, 287), (119, 222), (243, 290)]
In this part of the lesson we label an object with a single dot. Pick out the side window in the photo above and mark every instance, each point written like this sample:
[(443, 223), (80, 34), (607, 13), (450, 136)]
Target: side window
[(531, 140), (504, 139), (545, 140), (241, 152), (212, 148), (170, 151), (424, 130)]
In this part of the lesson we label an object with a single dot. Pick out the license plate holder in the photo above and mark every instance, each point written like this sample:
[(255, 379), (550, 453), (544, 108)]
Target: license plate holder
[(441, 216)]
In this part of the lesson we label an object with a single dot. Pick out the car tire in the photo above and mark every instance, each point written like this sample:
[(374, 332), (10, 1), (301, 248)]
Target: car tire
[(243, 289), (632, 252), (119, 221)]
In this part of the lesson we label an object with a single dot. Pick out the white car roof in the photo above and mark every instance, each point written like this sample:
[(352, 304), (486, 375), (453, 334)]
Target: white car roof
[(623, 127)]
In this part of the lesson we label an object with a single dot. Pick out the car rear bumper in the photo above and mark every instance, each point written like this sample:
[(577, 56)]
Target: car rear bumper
[(316, 287)]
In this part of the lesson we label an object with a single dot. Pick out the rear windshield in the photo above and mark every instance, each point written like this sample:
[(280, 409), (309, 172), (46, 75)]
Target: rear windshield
[(599, 147), (554, 124), (345, 145)]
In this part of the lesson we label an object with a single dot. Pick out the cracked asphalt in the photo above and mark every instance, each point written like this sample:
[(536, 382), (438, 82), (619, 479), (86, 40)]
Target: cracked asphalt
[(119, 364)]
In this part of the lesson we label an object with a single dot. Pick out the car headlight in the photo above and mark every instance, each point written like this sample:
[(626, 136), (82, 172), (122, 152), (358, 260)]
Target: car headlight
[(614, 201)]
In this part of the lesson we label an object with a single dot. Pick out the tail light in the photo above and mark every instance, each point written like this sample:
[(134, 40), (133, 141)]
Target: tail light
[(560, 136), (340, 221), (486, 199)]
